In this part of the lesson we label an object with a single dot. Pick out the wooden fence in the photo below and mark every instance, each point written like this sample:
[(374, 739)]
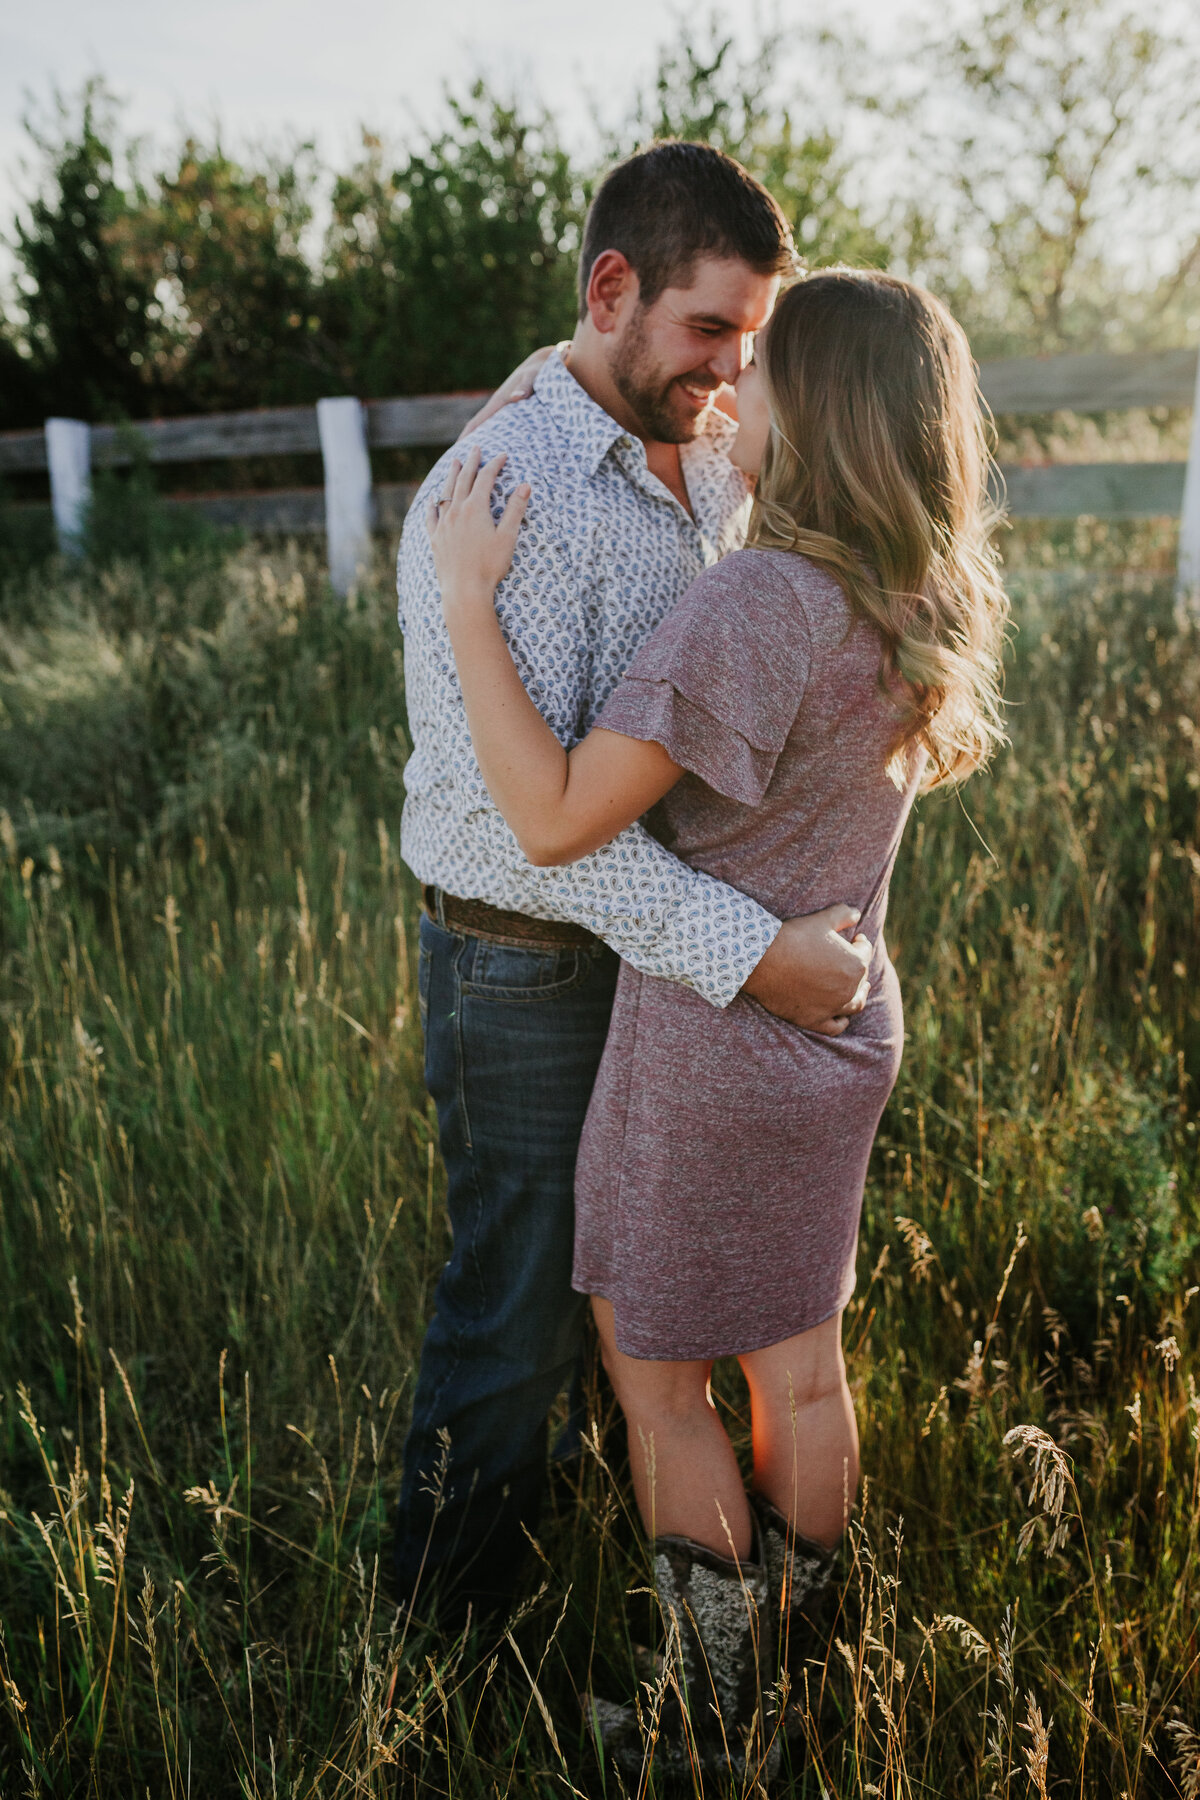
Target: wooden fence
[(344, 431)]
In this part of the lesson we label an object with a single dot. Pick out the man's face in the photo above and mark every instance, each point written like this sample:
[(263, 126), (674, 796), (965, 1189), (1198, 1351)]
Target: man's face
[(671, 357)]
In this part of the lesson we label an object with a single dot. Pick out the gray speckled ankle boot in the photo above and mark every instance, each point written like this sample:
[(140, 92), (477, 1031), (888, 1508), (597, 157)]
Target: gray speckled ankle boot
[(797, 1572), (797, 1569), (707, 1709)]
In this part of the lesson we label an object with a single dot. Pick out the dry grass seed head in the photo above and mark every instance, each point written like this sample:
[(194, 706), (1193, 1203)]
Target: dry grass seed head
[(971, 1641), (1037, 1751), (1049, 1487), (920, 1247), (1186, 1743)]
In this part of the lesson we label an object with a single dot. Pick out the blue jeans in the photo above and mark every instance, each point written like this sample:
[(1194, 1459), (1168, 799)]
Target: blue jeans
[(513, 1038)]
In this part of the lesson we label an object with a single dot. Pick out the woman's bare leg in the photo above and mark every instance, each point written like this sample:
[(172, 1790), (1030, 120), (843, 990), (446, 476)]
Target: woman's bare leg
[(805, 1434), (685, 1474)]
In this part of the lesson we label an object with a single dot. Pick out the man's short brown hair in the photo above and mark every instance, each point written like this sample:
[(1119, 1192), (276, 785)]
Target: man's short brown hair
[(671, 204)]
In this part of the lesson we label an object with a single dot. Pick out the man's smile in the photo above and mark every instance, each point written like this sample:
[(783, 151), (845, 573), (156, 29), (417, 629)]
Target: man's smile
[(699, 395)]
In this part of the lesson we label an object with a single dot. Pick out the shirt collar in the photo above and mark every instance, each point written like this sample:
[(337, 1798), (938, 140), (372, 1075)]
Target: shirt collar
[(592, 432), (589, 430)]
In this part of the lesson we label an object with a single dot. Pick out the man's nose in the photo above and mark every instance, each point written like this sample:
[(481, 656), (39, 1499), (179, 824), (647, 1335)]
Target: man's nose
[(727, 360)]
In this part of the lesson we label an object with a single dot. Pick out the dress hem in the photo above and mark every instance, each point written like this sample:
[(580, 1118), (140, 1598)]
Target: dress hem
[(764, 1342)]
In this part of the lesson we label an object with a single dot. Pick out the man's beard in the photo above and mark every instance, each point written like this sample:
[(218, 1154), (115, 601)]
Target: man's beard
[(647, 395)]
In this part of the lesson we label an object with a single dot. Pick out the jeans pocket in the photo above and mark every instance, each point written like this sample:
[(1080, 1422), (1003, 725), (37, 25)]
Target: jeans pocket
[(511, 972)]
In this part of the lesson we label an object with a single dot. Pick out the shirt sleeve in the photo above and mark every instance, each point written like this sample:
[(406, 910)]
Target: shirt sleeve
[(720, 682), (662, 916)]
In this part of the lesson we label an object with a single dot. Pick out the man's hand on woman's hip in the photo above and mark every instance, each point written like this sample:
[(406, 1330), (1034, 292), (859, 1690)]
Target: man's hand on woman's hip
[(815, 974)]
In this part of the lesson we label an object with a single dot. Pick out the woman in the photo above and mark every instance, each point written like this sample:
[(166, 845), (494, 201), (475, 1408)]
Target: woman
[(779, 724)]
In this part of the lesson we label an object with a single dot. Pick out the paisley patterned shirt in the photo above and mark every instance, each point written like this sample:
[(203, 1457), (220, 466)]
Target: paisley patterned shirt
[(604, 552)]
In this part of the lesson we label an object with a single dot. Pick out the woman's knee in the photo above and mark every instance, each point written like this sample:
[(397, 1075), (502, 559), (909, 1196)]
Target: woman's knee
[(811, 1385), (662, 1391), (804, 1371), (662, 1396)]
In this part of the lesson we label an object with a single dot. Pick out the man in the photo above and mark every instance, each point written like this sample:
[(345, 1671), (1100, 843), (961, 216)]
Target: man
[(632, 495)]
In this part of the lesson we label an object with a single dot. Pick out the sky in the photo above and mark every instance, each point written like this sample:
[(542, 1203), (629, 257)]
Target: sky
[(264, 68)]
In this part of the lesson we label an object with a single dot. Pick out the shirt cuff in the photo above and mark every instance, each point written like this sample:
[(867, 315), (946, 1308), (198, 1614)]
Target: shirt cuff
[(715, 939)]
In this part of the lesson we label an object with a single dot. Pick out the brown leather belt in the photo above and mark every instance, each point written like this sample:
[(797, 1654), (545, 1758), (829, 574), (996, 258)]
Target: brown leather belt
[(477, 919)]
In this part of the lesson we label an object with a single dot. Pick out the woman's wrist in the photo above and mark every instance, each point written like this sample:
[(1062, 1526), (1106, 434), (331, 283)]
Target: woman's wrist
[(472, 593)]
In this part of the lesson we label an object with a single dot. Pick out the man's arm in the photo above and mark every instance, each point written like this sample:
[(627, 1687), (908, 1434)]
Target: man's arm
[(662, 916)]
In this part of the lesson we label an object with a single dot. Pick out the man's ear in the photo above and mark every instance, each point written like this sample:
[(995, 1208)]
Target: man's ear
[(612, 290)]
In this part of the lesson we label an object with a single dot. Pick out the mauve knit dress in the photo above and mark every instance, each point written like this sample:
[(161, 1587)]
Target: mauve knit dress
[(721, 1169)]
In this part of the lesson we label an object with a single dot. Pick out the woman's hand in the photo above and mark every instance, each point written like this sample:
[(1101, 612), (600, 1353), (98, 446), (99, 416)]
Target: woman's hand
[(517, 386), (472, 552)]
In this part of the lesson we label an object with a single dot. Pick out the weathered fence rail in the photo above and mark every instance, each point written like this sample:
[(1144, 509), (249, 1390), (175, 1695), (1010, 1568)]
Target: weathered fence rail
[(428, 421), (343, 431), (1091, 383)]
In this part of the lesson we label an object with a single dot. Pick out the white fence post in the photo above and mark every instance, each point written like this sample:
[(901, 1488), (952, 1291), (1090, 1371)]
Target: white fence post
[(342, 428), (69, 455), (1189, 518)]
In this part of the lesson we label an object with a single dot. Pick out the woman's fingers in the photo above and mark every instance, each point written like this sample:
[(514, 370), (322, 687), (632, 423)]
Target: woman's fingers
[(487, 478), (459, 481), (518, 500), (510, 518), (466, 480), (463, 516), (450, 483)]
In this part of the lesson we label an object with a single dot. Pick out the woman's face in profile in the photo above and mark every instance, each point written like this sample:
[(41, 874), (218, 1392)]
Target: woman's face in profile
[(754, 422)]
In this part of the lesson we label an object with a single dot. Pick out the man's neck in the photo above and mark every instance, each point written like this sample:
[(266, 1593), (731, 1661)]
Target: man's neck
[(588, 364)]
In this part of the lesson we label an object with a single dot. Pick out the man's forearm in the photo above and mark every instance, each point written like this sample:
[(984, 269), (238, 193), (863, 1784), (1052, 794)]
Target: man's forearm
[(662, 916)]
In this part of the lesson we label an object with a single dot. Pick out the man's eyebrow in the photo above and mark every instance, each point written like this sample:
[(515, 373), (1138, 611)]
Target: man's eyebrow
[(714, 319)]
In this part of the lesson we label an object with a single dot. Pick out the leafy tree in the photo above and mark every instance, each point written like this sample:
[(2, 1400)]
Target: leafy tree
[(89, 308), (223, 246), (703, 89), (1039, 172), (446, 268), (1052, 196), (807, 175), (188, 294)]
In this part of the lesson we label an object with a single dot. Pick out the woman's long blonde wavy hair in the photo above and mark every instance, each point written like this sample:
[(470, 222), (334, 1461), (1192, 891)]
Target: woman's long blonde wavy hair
[(877, 468)]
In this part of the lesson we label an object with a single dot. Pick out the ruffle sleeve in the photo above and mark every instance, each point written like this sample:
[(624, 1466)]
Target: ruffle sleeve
[(719, 684)]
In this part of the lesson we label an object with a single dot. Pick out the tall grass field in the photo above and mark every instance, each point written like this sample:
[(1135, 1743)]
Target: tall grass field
[(221, 1222)]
